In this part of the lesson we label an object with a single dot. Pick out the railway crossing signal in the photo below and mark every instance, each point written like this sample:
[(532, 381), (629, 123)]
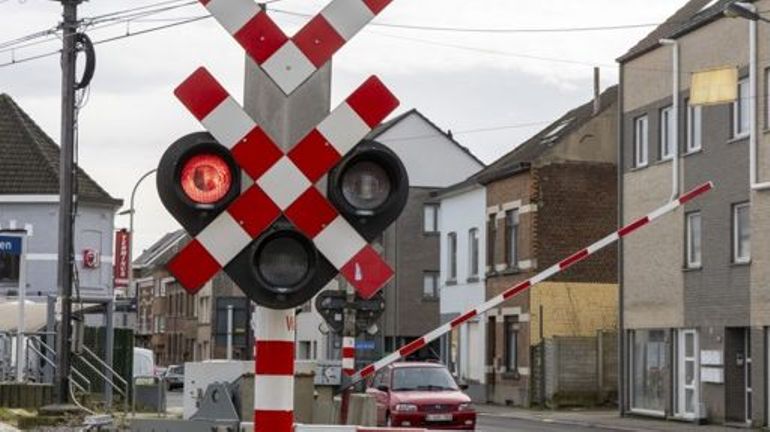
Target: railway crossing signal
[(256, 212), (331, 305)]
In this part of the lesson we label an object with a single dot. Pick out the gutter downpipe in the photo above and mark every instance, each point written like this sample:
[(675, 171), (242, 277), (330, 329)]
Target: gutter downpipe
[(675, 108), (753, 114), (622, 370)]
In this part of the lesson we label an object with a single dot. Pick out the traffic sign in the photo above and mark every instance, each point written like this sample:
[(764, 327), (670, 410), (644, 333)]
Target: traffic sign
[(279, 186), (10, 245), (290, 61), (331, 305)]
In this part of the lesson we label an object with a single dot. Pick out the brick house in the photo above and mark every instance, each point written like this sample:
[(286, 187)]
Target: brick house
[(179, 327), (549, 197), (695, 285)]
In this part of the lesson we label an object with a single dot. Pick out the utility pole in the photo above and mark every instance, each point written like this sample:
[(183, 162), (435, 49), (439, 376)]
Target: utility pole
[(66, 167), (348, 335)]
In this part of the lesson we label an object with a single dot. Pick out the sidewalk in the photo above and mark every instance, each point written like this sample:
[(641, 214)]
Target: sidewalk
[(598, 419)]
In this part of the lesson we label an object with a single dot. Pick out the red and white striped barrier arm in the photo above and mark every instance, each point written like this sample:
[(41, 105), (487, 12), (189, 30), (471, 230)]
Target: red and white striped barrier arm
[(283, 184), (291, 61), (524, 286), (274, 370), (349, 355)]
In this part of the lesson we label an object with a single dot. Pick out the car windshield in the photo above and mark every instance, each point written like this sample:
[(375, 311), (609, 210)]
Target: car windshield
[(423, 379)]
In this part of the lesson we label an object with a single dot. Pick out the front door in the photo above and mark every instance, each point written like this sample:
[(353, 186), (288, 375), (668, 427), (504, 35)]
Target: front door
[(687, 374), (737, 375)]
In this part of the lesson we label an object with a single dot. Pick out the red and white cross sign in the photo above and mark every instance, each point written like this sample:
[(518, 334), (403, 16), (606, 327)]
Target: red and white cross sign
[(290, 61), (283, 184)]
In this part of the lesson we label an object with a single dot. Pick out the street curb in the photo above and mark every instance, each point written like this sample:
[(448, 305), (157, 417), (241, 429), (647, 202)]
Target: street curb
[(568, 422)]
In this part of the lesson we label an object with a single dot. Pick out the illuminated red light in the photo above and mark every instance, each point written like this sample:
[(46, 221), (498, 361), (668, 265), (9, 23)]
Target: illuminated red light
[(206, 178)]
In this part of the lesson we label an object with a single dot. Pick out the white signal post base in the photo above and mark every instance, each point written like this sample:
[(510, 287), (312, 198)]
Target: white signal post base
[(274, 370)]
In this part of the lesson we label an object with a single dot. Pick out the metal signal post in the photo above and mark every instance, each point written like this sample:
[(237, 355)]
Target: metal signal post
[(248, 189)]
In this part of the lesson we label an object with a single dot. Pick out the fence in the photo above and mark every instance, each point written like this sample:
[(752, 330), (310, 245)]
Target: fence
[(575, 371)]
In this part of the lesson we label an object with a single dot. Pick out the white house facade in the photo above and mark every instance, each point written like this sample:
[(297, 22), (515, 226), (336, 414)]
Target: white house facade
[(433, 161), (463, 256)]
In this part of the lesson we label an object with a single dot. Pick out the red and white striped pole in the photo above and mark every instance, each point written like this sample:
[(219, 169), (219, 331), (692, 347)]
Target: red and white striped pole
[(349, 355), (274, 370), (524, 286)]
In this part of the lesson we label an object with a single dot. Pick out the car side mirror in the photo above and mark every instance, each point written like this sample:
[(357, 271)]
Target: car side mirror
[(383, 388)]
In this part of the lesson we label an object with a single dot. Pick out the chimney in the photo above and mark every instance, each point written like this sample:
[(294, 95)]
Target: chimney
[(597, 91)]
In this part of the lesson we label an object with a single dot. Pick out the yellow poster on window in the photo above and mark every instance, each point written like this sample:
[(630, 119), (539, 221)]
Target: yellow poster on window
[(714, 86)]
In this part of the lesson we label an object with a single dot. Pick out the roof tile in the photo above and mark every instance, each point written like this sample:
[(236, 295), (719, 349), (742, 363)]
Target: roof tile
[(29, 159)]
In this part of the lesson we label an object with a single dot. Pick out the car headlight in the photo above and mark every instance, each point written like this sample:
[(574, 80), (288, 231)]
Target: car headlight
[(466, 407), (406, 408)]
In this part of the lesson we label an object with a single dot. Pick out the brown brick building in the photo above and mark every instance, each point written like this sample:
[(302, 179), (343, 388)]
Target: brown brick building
[(179, 327), (548, 198)]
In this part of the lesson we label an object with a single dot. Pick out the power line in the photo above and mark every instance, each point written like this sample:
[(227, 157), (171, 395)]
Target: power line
[(161, 3), (111, 39), (492, 30), (182, 21)]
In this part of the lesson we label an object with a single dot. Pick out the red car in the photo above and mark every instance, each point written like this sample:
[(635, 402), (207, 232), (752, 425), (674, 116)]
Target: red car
[(421, 395)]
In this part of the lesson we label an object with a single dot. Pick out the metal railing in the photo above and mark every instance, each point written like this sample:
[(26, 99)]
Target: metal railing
[(48, 355), (125, 391)]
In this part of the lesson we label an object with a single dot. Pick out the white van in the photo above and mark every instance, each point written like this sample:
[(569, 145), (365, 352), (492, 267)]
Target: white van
[(144, 363)]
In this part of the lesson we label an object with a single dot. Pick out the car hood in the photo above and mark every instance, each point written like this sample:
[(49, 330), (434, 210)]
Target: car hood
[(429, 397)]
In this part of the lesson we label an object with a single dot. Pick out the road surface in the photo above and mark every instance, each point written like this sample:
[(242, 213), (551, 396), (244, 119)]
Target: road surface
[(485, 424), (498, 424)]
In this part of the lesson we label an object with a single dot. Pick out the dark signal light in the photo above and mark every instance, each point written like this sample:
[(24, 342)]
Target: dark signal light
[(370, 188)]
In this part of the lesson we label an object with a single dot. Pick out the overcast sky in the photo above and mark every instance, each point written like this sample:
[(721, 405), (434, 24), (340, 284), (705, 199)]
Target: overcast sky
[(462, 81)]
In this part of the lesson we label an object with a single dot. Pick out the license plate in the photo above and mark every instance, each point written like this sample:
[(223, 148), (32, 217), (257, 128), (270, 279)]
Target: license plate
[(439, 417)]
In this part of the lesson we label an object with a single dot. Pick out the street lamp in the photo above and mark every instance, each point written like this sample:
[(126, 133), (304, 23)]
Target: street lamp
[(744, 10), (131, 210)]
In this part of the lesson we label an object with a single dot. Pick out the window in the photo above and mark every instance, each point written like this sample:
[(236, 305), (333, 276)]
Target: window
[(473, 253), (649, 372), (430, 285), (741, 110), (511, 238), (452, 256), (430, 218), (641, 141), (667, 133), (694, 128), (511, 343), (693, 240), (491, 234), (741, 233)]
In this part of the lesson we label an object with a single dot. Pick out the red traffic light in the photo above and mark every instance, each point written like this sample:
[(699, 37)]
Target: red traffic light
[(206, 178)]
